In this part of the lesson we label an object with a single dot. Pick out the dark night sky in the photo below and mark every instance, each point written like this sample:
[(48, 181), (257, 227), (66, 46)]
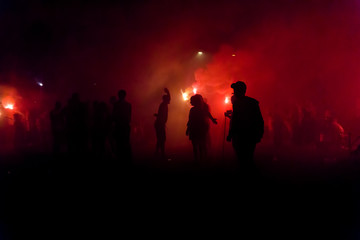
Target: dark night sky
[(139, 45), (91, 39)]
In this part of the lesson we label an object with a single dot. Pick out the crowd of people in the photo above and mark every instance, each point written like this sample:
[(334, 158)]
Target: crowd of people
[(104, 128), (69, 124), (111, 126), (305, 127)]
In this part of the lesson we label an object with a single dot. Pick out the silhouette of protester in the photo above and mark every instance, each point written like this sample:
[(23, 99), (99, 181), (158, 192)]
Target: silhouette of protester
[(246, 126), (160, 123), (197, 127)]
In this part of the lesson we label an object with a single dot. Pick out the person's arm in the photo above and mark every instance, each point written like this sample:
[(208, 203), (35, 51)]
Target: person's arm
[(167, 93), (189, 122), (214, 120), (158, 112), (229, 136)]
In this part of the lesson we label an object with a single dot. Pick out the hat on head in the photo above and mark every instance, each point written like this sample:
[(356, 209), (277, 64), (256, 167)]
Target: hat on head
[(239, 86)]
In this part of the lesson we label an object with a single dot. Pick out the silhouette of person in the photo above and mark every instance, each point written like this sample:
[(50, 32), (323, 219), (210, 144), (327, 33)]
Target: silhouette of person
[(57, 127), (160, 122), (246, 126), (100, 129), (331, 135), (19, 132), (76, 125), (111, 135), (208, 140), (197, 126), (309, 127), (3, 121), (122, 118)]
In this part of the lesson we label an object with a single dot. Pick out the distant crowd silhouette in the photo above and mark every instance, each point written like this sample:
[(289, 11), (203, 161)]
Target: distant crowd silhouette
[(103, 129), (110, 123), (70, 124)]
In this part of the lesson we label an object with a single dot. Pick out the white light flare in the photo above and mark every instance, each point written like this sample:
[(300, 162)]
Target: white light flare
[(40, 84), (9, 106), (194, 90), (200, 53), (185, 95), (227, 100)]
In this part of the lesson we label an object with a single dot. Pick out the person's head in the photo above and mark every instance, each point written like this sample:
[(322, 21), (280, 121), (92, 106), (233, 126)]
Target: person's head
[(75, 96), (122, 94), (239, 88), (328, 116), (196, 100), (112, 100), (17, 117), (57, 105), (166, 99), (95, 104)]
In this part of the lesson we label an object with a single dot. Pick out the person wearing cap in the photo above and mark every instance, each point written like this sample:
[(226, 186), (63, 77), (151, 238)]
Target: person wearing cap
[(160, 123), (246, 126)]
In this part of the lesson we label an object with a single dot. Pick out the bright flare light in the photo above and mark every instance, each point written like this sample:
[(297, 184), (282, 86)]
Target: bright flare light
[(185, 95), (200, 53), (9, 106), (194, 90), (40, 84), (226, 100)]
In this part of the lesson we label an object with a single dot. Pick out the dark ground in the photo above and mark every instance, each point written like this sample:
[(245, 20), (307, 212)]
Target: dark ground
[(302, 197)]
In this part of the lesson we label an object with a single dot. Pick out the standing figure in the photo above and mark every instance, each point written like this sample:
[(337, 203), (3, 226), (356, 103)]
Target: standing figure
[(111, 135), (160, 123), (122, 118), (19, 132), (197, 126), (246, 126), (76, 125), (100, 129), (57, 127)]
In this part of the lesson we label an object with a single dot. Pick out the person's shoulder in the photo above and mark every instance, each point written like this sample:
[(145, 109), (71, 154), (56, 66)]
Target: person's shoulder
[(251, 100)]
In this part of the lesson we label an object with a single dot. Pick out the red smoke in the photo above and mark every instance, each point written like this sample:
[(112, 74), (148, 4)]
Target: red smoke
[(307, 58)]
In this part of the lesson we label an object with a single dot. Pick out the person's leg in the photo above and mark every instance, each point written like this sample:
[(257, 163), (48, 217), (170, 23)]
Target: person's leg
[(157, 148), (195, 149), (162, 142), (202, 150)]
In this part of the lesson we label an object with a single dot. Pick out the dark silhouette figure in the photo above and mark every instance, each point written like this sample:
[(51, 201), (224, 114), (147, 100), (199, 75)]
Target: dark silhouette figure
[(76, 125), (331, 136), (33, 117), (111, 135), (57, 119), (208, 139), (19, 132), (160, 123), (122, 118), (246, 126), (280, 133), (112, 101), (308, 127), (198, 127), (100, 129)]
